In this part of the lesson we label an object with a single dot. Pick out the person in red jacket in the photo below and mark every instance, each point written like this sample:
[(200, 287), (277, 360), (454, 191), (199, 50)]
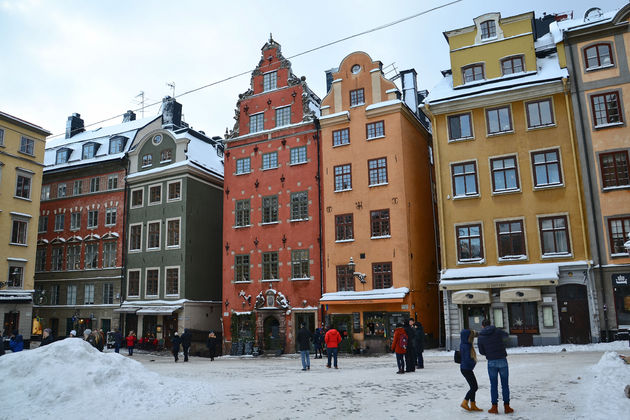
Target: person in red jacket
[(332, 340), (399, 346), (131, 342)]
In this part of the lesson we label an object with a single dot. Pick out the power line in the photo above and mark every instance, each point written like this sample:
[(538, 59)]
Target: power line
[(378, 28)]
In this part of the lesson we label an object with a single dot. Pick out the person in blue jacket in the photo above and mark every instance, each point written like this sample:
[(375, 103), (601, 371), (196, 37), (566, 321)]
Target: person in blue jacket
[(469, 360), (17, 342)]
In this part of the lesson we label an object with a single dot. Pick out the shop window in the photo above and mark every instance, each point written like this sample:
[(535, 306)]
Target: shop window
[(523, 317), (375, 324), (548, 317)]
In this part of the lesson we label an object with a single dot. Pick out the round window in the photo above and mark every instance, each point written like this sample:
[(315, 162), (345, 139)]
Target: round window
[(157, 139), (355, 69)]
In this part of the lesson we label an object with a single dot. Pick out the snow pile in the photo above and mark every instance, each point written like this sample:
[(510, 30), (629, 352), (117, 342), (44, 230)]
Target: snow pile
[(71, 379), (604, 388)]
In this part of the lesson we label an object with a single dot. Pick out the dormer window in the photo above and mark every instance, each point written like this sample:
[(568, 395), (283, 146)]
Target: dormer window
[(89, 150), (598, 56), (62, 156), (512, 65), (116, 145), (270, 81), (147, 160), (473, 73), (488, 29), (167, 155)]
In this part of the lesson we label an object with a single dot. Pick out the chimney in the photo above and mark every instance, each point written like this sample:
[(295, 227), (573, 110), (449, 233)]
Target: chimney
[(410, 89), (74, 125), (129, 116), (171, 112)]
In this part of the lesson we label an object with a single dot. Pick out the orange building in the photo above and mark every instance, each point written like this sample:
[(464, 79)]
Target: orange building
[(380, 259)]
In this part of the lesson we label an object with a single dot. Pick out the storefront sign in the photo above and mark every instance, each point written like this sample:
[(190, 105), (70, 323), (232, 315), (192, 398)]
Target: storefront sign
[(621, 279)]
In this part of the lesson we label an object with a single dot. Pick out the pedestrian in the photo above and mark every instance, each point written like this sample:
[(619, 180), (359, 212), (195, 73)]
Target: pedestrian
[(1, 343), (332, 340), (211, 343), (419, 330), (186, 340), (99, 341), (16, 342), (176, 341), (468, 362), (304, 338), (73, 334), (89, 337), (117, 340), (318, 341), (491, 345), (410, 354), (131, 342), (47, 337), (399, 346)]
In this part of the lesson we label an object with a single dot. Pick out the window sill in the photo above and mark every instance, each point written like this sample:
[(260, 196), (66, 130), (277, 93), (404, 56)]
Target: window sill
[(347, 189), (542, 127), (241, 227), (170, 200), (378, 185), (173, 246), (91, 227), (146, 166), (375, 138), (513, 258), (153, 249), (464, 197), (504, 192), (357, 105), (165, 161), (547, 187), (242, 173), (269, 280), (299, 220), (461, 139), (381, 237), (26, 153), (300, 278), (22, 198), (616, 188), (242, 282), (557, 255), (270, 223), (341, 144), (595, 68), (110, 225), (500, 133), (609, 125), (298, 163), (620, 255), (475, 261), (17, 244), (151, 296), (175, 295), (270, 168), (137, 207), (341, 241), (155, 203)]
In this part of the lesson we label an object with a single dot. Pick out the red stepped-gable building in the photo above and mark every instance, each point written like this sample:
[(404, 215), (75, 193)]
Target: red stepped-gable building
[(271, 232)]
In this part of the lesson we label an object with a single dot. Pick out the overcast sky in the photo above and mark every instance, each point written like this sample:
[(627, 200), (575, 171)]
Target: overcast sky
[(65, 56)]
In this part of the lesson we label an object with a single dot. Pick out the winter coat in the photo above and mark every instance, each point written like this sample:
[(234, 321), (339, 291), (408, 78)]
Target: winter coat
[(468, 363), (99, 342), (419, 337), (332, 338), (16, 343), (398, 332), (131, 340), (117, 338), (176, 341), (186, 338), (490, 343), (47, 340), (304, 338), (211, 343), (318, 338), (411, 338)]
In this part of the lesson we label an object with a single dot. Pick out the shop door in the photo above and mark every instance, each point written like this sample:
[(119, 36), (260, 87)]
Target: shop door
[(474, 315), (11, 322), (131, 324), (574, 315), (308, 319), (343, 324), (170, 326)]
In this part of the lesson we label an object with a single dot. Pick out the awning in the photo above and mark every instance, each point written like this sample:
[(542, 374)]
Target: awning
[(520, 294), (390, 295), (127, 309), (15, 297), (158, 310), (524, 275), (470, 297)]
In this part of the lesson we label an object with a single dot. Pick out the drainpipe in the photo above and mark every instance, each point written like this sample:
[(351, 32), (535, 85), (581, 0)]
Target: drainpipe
[(319, 215), (123, 275)]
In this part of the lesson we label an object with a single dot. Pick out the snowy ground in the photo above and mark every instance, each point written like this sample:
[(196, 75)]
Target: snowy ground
[(69, 379)]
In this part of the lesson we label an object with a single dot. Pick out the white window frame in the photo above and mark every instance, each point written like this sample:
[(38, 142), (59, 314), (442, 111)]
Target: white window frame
[(115, 255), (269, 154), (260, 127), (236, 172), (72, 287), (96, 184), (108, 212), (85, 255), (55, 229), (297, 150), (87, 295), (179, 234), (171, 267), (112, 179), (21, 266), (88, 225), (129, 249), (154, 203), (168, 189), (131, 205), (139, 271), (150, 222), (45, 193), (268, 75), (72, 226), (282, 110), (62, 190), (146, 281), (25, 174)]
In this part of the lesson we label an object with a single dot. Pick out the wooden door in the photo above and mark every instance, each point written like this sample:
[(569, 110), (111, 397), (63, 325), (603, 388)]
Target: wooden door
[(573, 313)]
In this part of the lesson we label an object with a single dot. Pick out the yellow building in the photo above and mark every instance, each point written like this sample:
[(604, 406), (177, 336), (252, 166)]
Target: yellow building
[(21, 162), (380, 259), (514, 241)]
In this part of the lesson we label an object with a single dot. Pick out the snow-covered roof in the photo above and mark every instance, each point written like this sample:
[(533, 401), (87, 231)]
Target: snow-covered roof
[(382, 104), (390, 293), (581, 23)]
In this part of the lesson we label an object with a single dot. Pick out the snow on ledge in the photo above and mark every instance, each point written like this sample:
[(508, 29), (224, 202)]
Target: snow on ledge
[(382, 104), (391, 293)]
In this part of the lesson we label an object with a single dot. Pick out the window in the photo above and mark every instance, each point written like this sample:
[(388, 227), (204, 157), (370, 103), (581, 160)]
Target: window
[(56, 260), (45, 193), (512, 65), (109, 254), (73, 257), (153, 279), (554, 235), (270, 265), (614, 167), (243, 166), (133, 283), (60, 222), (606, 109), (43, 224), (172, 281), (1, 137), (299, 205), (270, 160), (23, 186), (116, 145), (618, 230), (241, 268), (242, 213), (499, 120), (270, 80), (27, 146), (172, 233), (283, 116), (341, 137), (488, 29), (300, 264), (343, 177), (89, 150), (345, 278), (344, 227), (62, 156), (135, 237), (174, 190), (16, 276), (464, 179), (61, 190), (88, 296), (40, 259), (539, 113), (157, 139), (92, 220), (379, 222), (469, 243), (19, 231), (147, 160), (504, 174), (357, 97), (459, 127), (71, 297), (112, 182), (546, 168), (473, 73), (75, 220), (91, 255), (548, 321), (155, 194), (382, 275), (77, 186), (298, 155), (598, 56), (256, 122), (166, 155), (95, 184), (377, 170), (270, 209), (110, 216), (375, 129), (108, 293), (511, 239), (54, 294), (137, 198), (523, 317), (153, 235)]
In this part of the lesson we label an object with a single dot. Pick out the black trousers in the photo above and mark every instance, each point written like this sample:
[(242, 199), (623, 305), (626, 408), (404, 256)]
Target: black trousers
[(472, 383), (186, 348), (410, 359)]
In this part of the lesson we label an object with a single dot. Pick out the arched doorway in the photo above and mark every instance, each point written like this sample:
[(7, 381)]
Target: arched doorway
[(573, 313), (271, 329)]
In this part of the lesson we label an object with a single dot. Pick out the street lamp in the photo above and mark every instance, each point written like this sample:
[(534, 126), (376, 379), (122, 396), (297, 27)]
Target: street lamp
[(360, 276)]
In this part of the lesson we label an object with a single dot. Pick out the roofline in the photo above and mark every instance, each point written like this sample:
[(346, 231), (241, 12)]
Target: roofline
[(25, 124)]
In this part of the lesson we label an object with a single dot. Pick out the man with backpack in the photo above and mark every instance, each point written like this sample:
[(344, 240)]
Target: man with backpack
[(399, 346)]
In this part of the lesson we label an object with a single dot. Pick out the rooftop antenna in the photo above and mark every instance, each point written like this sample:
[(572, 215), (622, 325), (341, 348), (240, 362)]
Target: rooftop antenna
[(172, 86), (141, 94)]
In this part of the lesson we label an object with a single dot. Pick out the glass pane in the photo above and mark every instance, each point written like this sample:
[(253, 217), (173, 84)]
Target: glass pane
[(499, 181), (471, 186), (493, 121), (541, 175), (465, 126), (534, 117)]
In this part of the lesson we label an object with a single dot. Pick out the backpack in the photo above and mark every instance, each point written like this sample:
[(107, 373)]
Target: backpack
[(402, 341)]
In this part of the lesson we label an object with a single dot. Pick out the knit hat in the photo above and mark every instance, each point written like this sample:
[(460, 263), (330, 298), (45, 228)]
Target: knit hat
[(73, 333)]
